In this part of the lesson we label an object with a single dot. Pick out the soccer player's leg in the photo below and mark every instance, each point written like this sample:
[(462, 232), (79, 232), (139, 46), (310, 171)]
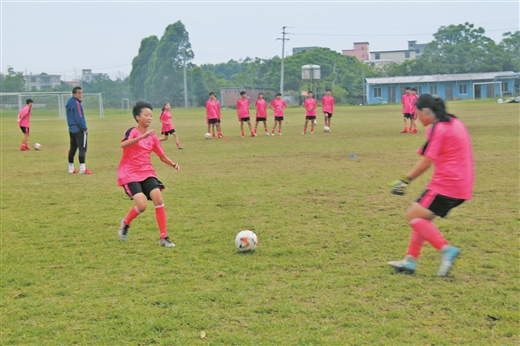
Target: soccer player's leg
[(280, 127), (177, 142), (160, 214), (81, 140), (165, 137), (305, 126), (312, 126), (72, 152), (405, 120), (133, 190)]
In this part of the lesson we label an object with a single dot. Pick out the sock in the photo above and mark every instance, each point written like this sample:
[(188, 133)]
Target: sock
[(416, 244), (71, 166), (132, 214), (273, 132), (160, 214), (178, 144), (279, 131), (266, 130), (429, 233), (82, 167), (243, 134)]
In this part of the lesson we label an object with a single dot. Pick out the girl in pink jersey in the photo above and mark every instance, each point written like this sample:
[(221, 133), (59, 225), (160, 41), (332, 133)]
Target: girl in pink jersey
[(261, 113), (167, 126), (23, 121), (448, 149), (137, 175), (278, 105)]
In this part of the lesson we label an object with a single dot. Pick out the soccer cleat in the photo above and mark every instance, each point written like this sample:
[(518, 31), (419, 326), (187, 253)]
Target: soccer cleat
[(449, 253), (253, 134), (24, 148), (73, 171), (86, 171), (122, 232), (405, 130), (414, 131), (311, 132), (303, 132), (407, 265), (267, 133), (279, 133), (166, 242), (220, 135), (179, 147), (243, 134)]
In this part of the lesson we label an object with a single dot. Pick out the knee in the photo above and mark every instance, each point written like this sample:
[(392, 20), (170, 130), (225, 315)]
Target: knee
[(165, 138), (141, 207)]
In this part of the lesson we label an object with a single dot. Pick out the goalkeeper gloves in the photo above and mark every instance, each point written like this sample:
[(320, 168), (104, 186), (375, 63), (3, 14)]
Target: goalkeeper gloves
[(399, 186)]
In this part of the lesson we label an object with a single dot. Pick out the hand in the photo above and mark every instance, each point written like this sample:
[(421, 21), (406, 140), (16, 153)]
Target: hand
[(176, 166), (148, 133), (85, 132), (399, 186), (17, 120)]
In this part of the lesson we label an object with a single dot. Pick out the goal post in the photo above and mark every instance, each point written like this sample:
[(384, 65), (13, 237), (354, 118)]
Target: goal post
[(52, 102)]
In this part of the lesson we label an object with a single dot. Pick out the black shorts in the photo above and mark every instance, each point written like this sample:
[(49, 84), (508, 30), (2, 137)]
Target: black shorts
[(438, 204), (213, 121), (24, 129), (145, 186), (329, 115), (261, 119), (168, 132), (278, 118), (245, 119), (218, 121), (408, 115), (310, 117)]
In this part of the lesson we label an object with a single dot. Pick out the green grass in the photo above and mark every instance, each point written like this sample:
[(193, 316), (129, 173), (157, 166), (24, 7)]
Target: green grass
[(327, 226)]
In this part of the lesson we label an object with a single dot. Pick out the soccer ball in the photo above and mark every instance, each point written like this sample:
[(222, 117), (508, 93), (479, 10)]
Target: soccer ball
[(207, 135), (37, 146), (326, 129), (246, 241)]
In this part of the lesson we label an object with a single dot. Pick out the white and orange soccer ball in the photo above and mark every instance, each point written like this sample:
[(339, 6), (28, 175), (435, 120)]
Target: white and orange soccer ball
[(37, 146), (246, 241)]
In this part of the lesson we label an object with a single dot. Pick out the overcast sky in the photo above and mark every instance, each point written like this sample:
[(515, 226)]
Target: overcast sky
[(57, 36)]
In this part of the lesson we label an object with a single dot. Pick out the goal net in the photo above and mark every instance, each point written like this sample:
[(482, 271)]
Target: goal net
[(52, 103)]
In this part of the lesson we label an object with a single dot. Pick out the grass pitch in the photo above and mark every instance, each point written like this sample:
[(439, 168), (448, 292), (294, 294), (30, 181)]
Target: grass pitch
[(327, 225)]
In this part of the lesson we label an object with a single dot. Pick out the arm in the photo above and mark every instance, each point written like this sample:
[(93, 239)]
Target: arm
[(399, 186), (129, 142), (20, 118), (169, 162)]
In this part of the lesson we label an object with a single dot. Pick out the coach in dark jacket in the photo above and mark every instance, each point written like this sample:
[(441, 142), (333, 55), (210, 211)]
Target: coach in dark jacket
[(77, 131)]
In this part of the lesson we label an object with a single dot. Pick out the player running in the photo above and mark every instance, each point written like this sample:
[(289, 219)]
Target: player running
[(448, 149), (310, 106), (137, 175), (278, 105), (167, 127), (243, 113), (213, 115), (23, 121), (261, 113), (327, 107)]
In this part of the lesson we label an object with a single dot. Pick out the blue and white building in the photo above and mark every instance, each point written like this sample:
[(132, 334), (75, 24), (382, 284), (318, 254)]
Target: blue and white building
[(448, 86)]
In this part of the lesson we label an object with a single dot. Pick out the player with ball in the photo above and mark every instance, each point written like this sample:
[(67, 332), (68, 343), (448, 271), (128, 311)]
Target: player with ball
[(448, 149)]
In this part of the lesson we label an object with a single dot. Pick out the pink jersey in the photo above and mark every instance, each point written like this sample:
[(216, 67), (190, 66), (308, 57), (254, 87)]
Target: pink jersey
[(243, 108), (166, 116), (261, 108), (310, 103), (449, 146), (413, 99), (27, 112), (278, 107), (408, 101), (212, 109), (327, 104), (135, 165)]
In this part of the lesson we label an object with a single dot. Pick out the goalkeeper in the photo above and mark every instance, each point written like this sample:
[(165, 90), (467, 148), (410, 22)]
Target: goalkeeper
[(448, 149)]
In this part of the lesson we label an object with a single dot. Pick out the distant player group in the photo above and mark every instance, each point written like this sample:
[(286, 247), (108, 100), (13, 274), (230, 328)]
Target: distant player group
[(213, 117), (447, 149)]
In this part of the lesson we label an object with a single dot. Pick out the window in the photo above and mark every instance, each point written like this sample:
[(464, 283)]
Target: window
[(46, 79), (433, 90), (362, 48), (417, 51), (407, 55), (463, 88), (377, 92), (33, 79), (378, 56), (505, 87), (419, 90), (87, 77), (362, 55)]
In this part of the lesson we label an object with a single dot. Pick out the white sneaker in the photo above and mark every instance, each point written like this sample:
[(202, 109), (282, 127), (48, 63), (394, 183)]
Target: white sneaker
[(166, 242), (267, 133), (279, 133), (122, 232), (408, 264)]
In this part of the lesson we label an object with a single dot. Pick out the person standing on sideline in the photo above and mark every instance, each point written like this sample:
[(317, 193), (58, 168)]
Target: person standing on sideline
[(137, 175), (413, 124), (261, 113), (213, 115), (448, 150), (327, 107), (407, 102), (278, 105), (243, 113), (23, 121), (78, 131), (310, 106), (167, 127)]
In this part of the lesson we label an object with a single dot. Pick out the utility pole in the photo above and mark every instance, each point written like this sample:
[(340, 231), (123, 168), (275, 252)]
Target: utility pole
[(283, 55)]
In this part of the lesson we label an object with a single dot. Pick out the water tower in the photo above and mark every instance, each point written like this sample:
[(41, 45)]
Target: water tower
[(311, 74)]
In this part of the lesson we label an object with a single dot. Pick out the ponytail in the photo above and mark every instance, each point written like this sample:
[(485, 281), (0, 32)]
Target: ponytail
[(436, 105)]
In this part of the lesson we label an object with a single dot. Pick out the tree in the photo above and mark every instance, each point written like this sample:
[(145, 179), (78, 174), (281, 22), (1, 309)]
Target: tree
[(198, 86), (12, 81), (165, 73), (511, 47), (140, 65)]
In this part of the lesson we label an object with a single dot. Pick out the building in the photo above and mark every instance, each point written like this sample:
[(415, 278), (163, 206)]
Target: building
[(42, 81), (230, 95), (448, 86), (303, 49), (390, 57), (360, 51), (418, 47), (88, 76)]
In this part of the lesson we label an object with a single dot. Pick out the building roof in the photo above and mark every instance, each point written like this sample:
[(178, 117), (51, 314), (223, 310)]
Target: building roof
[(437, 78), (393, 51)]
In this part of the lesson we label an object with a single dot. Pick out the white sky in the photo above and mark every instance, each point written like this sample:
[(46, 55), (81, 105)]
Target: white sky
[(59, 36)]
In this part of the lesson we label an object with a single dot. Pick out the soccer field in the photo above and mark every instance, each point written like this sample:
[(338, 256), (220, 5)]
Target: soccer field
[(327, 225)]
